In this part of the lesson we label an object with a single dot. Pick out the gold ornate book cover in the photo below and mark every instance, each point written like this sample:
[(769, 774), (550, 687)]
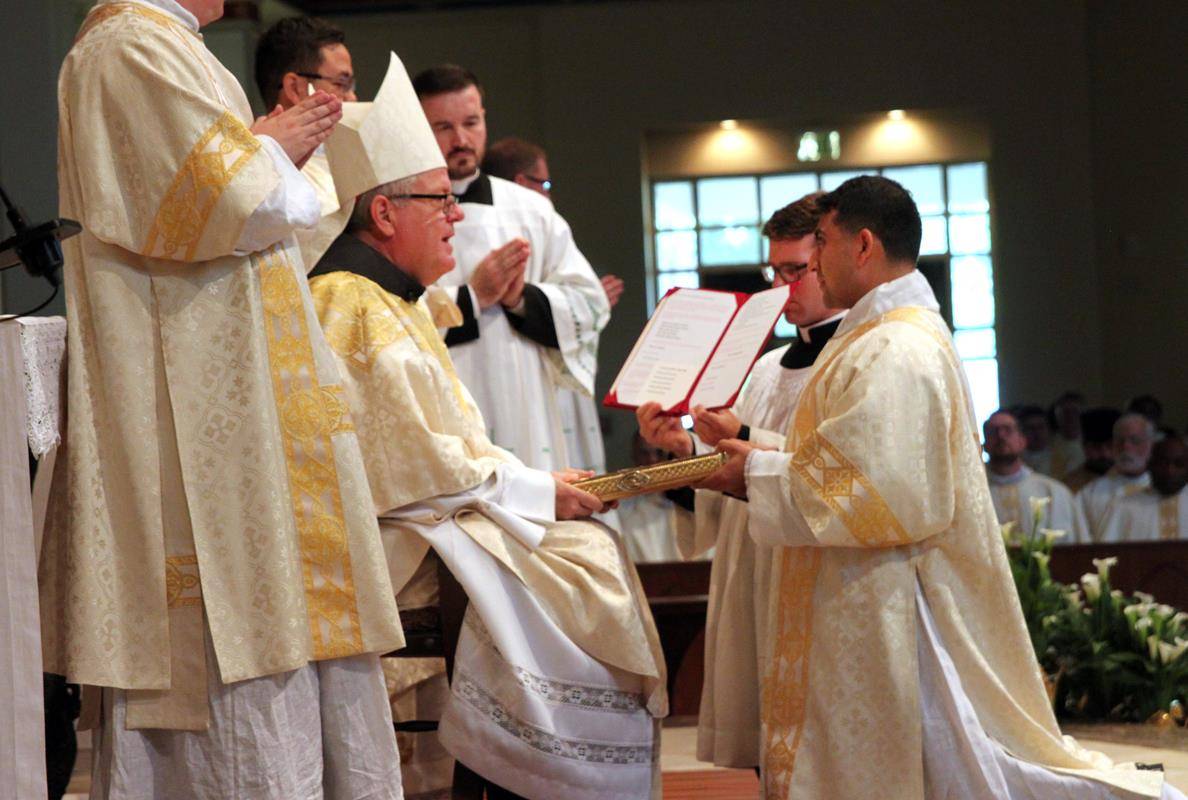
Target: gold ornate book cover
[(655, 478)]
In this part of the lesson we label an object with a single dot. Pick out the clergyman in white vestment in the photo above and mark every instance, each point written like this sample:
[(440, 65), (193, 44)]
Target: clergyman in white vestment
[(558, 683), (210, 558), (1014, 486), (1159, 511), (532, 306), (893, 589), (1133, 436), (736, 629)]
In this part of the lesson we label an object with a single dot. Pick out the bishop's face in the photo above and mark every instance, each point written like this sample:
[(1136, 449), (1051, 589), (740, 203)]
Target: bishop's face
[(460, 125), (420, 243)]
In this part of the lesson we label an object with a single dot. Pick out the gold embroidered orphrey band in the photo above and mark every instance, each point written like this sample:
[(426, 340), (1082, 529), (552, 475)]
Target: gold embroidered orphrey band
[(655, 478)]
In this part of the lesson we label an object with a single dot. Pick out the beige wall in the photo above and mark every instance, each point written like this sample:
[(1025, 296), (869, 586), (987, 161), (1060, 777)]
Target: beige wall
[(1079, 100)]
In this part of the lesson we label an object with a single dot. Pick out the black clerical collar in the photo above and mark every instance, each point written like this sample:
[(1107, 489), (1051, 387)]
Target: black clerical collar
[(349, 253), (801, 353), (479, 191)]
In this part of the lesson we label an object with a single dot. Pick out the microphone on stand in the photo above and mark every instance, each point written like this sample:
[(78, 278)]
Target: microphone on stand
[(38, 247)]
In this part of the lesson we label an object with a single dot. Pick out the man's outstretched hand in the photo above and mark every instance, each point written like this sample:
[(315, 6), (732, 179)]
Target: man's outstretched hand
[(300, 129), (572, 502), (661, 432)]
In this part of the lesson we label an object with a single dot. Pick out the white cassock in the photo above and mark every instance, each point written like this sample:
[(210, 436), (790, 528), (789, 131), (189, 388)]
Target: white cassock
[(515, 364), (1097, 499), (1146, 515), (1012, 495), (740, 579), (582, 430)]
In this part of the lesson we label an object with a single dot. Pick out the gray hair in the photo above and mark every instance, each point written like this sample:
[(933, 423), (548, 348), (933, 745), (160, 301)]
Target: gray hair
[(361, 216), (1148, 425)]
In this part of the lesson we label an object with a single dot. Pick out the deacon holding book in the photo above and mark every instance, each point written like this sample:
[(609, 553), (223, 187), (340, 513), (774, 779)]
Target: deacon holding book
[(558, 682), (210, 559), (900, 662), (728, 722)]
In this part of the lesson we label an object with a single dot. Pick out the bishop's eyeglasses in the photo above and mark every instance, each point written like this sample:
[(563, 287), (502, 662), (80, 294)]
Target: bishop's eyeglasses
[(448, 201)]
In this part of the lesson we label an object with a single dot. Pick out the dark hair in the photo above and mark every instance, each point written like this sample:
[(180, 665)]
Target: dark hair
[(1147, 405), (795, 220), (1067, 396), (510, 157), (1023, 412), (881, 206), (1097, 424), (444, 79), (995, 413), (292, 45)]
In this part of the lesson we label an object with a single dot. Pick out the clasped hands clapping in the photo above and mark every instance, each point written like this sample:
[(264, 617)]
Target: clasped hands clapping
[(300, 129), (718, 429)]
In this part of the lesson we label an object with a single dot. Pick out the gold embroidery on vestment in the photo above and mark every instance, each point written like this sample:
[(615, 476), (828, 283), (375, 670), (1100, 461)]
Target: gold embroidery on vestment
[(309, 416), (1169, 517), (182, 586), (221, 152)]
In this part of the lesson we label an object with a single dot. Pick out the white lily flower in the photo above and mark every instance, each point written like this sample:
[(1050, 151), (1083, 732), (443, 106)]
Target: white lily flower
[(1144, 597), (1142, 624), (1169, 652), (1103, 566), (1042, 558), (1153, 647), (1052, 534), (1165, 610), (1039, 505), (1092, 585), (1008, 533)]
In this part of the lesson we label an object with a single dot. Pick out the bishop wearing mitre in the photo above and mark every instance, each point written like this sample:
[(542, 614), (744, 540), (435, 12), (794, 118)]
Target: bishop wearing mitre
[(211, 570), (559, 678)]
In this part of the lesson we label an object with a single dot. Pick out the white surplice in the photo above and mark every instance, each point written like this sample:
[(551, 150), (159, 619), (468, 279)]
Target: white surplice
[(1012, 495), (1145, 515), (515, 380), (1098, 498), (740, 579), (648, 524)]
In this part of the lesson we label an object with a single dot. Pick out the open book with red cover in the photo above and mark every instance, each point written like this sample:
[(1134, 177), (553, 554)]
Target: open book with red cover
[(697, 349)]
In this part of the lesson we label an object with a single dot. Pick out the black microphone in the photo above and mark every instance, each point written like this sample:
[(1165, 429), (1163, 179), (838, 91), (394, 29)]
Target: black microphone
[(38, 247)]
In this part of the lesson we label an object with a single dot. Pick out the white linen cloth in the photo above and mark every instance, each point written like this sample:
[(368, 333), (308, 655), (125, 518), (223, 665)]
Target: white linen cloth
[(43, 346), (529, 709), (22, 718)]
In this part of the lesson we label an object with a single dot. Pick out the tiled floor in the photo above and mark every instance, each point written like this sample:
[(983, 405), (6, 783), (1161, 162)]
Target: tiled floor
[(686, 778)]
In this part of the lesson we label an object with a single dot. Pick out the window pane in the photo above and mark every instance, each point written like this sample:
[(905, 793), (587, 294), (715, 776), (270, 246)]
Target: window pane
[(736, 245), (674, 206), (676, 250), (973, 292), (982, 374), (969, 233), (967, 188), (670, 280), (935, 240), (975, 343), (727, 201), (784, 329), (924, 182), (832, 180), (777, 191)]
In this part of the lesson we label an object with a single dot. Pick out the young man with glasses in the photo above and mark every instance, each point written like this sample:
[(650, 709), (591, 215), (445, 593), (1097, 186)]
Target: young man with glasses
[(295, 58), (533, 308), (728, 725)]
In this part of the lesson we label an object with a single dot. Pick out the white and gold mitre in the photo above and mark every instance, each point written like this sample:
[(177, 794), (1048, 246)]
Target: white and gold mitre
[(382, 141)]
